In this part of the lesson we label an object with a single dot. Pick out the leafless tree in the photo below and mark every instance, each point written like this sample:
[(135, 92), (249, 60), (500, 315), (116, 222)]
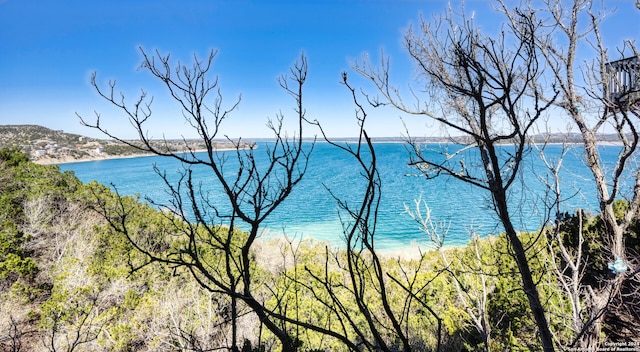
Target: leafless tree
[(216, 242), (487, 90), (216, 239), (596, 100), (75, 323), (359, 229), (189, 318), (13, 338), (568, 264), (386, 328), (471, 284)]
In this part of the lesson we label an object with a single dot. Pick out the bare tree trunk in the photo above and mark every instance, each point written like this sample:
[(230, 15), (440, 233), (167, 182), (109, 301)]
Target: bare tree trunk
[(474, 302), (252, 192), (591, 106), (364, 266), (528, 284), (487, 92)]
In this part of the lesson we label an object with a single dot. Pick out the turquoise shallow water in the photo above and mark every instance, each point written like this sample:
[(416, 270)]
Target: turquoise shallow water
[(310, 211)]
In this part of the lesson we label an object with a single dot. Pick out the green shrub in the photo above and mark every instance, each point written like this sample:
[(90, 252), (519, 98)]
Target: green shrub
[(13, 156)]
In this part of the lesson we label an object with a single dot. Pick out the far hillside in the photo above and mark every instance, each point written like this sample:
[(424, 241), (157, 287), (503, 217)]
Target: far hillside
[(47, 146), (32, 136)]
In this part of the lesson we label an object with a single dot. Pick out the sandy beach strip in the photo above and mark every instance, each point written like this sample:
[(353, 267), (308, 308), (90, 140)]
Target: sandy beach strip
[(67, 159)]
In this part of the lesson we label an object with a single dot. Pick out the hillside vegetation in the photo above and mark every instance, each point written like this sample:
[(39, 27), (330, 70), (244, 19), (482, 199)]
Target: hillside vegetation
[(69, 282), (47, 146), (32, 135)]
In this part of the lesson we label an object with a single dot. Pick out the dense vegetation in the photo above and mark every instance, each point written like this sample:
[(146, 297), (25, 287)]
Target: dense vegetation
[(69, 282), (83, 268)]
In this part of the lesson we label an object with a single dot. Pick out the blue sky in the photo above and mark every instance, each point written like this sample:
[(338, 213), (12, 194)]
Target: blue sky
[(48, 50)]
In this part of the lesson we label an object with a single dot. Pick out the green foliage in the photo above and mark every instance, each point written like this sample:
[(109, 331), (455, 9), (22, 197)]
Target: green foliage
[(119, 149), (100, 279), (13, 156), (15, 261), (14, 264), (31, 134)]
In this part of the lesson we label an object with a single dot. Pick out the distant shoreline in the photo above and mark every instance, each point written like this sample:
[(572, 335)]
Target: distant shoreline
[(71, 160)]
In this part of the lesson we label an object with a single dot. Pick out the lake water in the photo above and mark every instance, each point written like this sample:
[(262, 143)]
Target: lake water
[(310, 211)]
